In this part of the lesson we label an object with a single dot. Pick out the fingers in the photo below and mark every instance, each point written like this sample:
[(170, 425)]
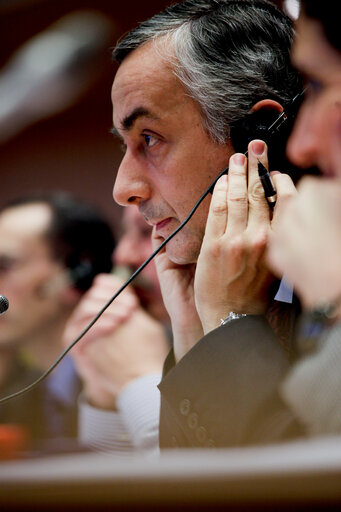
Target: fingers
[(284, 186), (217, 216), (281, 247), (239, 204), (237, 200), (283, 221), (259, 215), (92, 302), (286, 190), (247, 207), (100, 293)]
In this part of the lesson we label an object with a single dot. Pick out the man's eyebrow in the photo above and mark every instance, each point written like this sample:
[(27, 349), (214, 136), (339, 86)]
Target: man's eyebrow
[(128, 122)]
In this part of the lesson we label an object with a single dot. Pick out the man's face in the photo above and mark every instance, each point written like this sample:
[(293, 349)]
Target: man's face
[(133, 248), (169, 159), (316, 138), (26, 267)]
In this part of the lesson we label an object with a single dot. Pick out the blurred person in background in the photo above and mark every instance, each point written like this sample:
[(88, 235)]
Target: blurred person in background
[(306, 245), (121, 361), (55, 253), (51, 247)]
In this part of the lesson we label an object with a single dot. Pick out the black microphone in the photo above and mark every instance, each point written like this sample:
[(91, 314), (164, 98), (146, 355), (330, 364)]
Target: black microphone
[(3, 304)]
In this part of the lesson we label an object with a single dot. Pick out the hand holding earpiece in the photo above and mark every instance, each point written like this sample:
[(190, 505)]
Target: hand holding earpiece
[(231, 274)]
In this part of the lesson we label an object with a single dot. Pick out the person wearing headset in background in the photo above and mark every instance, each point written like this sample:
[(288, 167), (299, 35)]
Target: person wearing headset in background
[(306, 244), (51, 247), (194, 84), (121, 362)]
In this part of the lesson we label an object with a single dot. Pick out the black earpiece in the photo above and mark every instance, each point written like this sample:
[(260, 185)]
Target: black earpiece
[(274, 128), (82, 275), (257, 125), (254, 125)]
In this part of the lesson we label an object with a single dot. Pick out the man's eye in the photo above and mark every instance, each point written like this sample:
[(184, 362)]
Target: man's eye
[(150, 140)]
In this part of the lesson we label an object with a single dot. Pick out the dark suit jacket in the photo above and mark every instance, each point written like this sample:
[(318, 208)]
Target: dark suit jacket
[(224, 392)]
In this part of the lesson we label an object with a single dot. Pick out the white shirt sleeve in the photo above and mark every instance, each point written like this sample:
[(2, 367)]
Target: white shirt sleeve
[(133, 428), (102, 430), (139, 406)]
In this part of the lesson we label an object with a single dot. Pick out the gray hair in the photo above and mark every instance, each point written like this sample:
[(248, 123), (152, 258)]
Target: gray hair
[(229, 54)]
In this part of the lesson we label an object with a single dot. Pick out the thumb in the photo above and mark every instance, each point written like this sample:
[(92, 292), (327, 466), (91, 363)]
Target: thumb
[(286, 190)]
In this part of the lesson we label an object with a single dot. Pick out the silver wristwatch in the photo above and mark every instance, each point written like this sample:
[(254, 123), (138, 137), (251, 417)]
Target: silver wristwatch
[(232, 316)]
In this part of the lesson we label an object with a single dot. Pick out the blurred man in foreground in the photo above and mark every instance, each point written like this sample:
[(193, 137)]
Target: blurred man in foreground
[(306, 244)]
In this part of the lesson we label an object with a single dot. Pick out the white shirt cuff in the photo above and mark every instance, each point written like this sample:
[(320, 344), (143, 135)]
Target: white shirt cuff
[(102, 430), (139, 405)]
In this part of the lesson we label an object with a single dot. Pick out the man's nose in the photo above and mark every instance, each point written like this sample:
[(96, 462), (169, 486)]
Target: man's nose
[(131, 185)]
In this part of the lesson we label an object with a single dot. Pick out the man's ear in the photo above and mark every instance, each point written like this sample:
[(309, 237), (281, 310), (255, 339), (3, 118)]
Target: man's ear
[(267, 104)]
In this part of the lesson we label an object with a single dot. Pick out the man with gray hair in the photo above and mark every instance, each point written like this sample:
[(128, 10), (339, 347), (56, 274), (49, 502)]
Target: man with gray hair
[(195, 84)]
